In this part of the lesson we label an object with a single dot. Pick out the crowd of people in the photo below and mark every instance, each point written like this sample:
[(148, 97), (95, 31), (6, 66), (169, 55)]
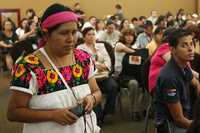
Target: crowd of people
[(75, 60)]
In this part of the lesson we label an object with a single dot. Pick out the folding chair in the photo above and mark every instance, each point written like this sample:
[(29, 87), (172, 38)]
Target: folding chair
[(131, 69)]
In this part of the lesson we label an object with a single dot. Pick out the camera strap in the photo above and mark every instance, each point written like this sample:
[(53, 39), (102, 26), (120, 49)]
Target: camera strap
[(42, 50)]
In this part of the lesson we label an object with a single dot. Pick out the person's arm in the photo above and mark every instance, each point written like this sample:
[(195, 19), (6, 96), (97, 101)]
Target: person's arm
[(195, 74), (176, 112), (94, 98), (18, 110), (196, 84), (3, 45), (121, 49), (23, 37), (106, 64)]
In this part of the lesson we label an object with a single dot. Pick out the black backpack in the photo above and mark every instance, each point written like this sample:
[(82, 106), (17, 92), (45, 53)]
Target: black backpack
[(133, 71)]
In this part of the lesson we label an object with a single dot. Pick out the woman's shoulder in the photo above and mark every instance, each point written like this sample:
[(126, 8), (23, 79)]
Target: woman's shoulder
[(28, 60)]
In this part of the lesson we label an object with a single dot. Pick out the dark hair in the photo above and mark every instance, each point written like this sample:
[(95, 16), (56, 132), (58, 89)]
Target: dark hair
[(27, 27), (147, 24), (160, 19), (92, 17), (52, 9), (122, 24), (158, 30), (109, 22), (32, 11), (142, 17), (125, 32), (98, 21), (21, 21), (168, 14), (167, 33), (86, 30), (176, 35), (134, 19), (194, 30), (76, 4), (12, 23), (118, 6)]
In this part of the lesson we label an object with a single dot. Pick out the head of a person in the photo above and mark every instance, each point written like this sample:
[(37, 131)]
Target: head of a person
[(141, 21), (100, 25), (158, 34), (128, 37), (59, 26), (24, 23), (110, 26), (30, 13), (148, 27), (134, 21), (182, 45), (161, 21), (8, 25), (180, 13), (169, 16), (32, 25), (92, 20), (195, 31), (77, 6), (124, 24), (89, 35), (118, 7), (154, 13)]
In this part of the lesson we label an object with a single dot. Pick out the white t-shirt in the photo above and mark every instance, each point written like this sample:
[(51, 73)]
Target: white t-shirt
[(118, 58)]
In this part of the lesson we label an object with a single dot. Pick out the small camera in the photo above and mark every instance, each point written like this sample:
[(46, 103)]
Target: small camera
[(78, 110)]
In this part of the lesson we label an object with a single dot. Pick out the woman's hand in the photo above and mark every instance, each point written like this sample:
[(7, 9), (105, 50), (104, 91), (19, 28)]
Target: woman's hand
[(64, 117), (88, 103)]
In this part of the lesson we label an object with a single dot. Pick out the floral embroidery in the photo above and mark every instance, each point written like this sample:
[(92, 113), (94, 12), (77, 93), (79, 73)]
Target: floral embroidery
[(66, 72), (48, 80), (77, 70), (81, 55), (32, 59), (20, 70), (52, 76), (41, 78)]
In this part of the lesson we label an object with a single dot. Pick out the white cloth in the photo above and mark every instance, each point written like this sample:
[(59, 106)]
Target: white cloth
[(112, 38), (58, 100), (20, 32), (118, 58), (102, 54)]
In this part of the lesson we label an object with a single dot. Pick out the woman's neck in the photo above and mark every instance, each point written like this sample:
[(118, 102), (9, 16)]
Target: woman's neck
[(91, 46), (8, 32), (128, 45), (60, 60)]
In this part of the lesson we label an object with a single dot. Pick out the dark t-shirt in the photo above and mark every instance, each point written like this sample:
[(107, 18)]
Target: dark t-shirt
[(7, 40), (173, 86)]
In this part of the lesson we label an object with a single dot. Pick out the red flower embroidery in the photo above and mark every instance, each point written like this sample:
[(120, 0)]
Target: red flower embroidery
[(41, 77), (66, 72)]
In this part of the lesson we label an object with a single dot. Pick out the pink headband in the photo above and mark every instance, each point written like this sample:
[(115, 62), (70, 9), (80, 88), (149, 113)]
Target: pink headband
[(58, 18), (61, 17)]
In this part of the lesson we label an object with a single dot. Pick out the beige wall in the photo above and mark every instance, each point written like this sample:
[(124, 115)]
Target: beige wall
[(101, 8)]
